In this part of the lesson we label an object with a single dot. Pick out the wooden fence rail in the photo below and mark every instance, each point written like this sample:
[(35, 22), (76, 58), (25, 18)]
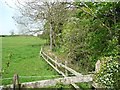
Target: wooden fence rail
[(55, 67), (53, 82), (61, 65)]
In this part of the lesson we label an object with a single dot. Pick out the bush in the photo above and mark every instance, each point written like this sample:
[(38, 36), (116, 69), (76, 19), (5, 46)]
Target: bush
[(108, 76)]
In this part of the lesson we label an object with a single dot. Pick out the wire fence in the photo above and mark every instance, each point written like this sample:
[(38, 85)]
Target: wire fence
[(50, 76)]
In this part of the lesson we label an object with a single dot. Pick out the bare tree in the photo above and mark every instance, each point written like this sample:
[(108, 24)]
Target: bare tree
[(53, 13), (12, 32)]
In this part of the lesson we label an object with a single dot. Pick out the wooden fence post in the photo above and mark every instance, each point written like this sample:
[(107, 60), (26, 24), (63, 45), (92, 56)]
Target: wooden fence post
[(56, 61), (97, 66), (16, 84), (66, 72)]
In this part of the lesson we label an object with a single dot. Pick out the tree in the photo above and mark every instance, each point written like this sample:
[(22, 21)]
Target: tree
[(12, 32), (93, 35), (52, 13)]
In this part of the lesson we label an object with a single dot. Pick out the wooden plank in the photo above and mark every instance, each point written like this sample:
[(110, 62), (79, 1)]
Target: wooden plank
[(66, 80), (59, 64), (73, 84), (53, 66), (66, 68), (53, 82)]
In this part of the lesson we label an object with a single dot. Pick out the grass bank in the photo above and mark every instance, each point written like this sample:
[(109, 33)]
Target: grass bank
[(21, 55)]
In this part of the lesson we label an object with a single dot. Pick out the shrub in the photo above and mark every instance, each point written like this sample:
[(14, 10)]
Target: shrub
[(109, 75)]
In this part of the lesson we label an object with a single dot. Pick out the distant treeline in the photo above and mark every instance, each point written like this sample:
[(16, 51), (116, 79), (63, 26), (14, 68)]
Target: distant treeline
[(13, 35)]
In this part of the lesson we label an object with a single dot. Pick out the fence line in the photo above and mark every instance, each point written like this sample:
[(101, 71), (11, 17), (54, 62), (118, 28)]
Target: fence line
[(53, 82), (34, 77), (60, 65), (30, 77), (60, 72)]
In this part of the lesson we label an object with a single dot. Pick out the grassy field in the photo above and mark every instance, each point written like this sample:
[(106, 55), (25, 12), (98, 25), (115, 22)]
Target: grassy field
[(21, 55), (0, 58)]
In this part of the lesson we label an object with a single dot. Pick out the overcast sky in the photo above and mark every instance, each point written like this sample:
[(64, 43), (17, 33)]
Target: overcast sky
[(6, 22)]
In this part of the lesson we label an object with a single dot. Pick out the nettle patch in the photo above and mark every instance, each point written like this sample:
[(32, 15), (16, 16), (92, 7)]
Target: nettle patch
[(109, 75)]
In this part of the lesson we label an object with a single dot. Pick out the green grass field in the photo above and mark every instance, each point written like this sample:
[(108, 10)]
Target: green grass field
[(21, 55), (0, 58)]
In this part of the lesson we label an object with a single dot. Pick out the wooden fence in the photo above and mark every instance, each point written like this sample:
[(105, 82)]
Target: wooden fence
[(58, 64), (48, 59), (53, 82), (77, 78)]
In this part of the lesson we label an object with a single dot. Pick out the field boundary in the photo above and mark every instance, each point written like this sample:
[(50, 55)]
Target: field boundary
[(32, 77), (77, 78), (53, 82), (43, 54), (56, 65)]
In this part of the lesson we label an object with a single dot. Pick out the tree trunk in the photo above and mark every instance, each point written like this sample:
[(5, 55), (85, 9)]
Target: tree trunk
[(51, 37)]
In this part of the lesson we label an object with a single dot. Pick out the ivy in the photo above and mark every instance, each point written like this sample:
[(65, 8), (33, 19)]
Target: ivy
[(108, 76)]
